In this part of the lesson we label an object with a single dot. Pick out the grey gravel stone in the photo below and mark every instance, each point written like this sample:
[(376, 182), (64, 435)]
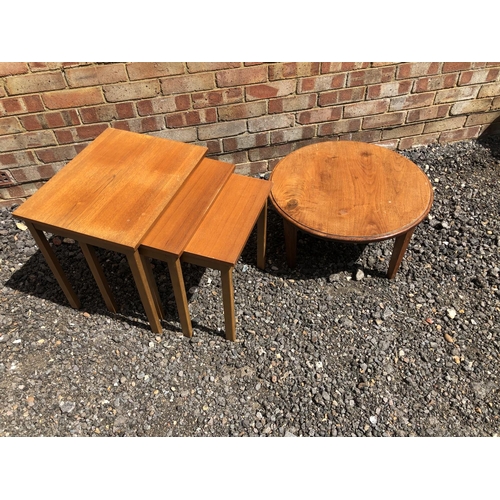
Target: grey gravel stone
[(318, 351)]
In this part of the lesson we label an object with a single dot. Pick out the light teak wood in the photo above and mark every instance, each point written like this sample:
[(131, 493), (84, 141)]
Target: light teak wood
[(109, 195), (350, 191)]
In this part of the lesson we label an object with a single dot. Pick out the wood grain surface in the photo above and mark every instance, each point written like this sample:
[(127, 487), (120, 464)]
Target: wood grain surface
[(177, 224), (350, 191), (115, 189), (224, 231)]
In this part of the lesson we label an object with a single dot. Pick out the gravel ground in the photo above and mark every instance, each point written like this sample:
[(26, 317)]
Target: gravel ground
[(331, 348)]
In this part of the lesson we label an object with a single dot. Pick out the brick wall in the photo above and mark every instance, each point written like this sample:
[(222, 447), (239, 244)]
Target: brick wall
[(250, 114)]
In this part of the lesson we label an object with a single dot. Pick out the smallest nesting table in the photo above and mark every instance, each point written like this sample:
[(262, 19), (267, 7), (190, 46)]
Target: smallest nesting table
[(353, 192)]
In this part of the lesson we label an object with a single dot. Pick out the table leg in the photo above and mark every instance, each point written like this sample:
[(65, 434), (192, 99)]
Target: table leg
[(98, 273), (153, 287), (141, 280), (400, 246), (228, 301), (261, 237), (54, 264), (290, 243), (177, 279)]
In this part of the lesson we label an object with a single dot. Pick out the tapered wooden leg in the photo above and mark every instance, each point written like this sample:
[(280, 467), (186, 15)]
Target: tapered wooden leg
[(400, 246), (174, 266), (54, 265), (228, 301), (153, 287), (261, 237), (141, 280), (290, 243), (98, 273)]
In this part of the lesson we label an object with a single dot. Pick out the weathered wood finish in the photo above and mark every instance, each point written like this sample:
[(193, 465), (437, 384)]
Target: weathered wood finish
[(350, 191)]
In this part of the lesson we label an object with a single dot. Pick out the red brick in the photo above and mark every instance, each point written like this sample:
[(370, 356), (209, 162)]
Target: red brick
[(483, 76), (482, 118), (190, 118), (451, 67), (32, 173), (456, 94), (251, 168), (107, 112), (405, 131), (446, 124), (79, 134), (187, 84), (239, 111), (419, 140), (338, 67), (13, 68), (162, 105), (294, 103), (489, 90), (436, 82), (27, 140), (460, 135), (22, 191), (362, 136), (319, 115), (56, 154), (19, 105), (467, 107), (270, 122), (145, 70), (341, 96), (246, 141), (411, 101), (10, 125), (268, 90), (96, 75), (11, 202), (366, 108), (214, 147), (385, 120), (267, 153), (410, 70), (44, 66), (198, 67), (293, 134), (73, 98), (321, 83), (339, 127), (429, 113), (281, 71), (17, 159), (50, 120), (370, 76), (234, 158), (217, 97), (220, 130), (390, 89), (141, 125), (241, 76), (28, 84), (131, 91)]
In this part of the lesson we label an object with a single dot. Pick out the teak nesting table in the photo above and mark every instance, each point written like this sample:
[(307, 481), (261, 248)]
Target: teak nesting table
[(352, 192), (124, 189)]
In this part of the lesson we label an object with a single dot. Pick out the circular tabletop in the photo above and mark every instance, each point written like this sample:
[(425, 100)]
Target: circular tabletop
[(350, 191)]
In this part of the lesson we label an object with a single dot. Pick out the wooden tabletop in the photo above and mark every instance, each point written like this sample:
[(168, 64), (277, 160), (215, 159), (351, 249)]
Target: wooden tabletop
[(350, 191), (115, 189)]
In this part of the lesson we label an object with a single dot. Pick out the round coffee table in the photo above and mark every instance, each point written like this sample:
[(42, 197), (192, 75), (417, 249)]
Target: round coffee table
[(352, 192)]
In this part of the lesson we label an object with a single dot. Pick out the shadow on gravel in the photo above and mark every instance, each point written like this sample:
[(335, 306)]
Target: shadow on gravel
[(491, 138), (35, 278), (316, 257)]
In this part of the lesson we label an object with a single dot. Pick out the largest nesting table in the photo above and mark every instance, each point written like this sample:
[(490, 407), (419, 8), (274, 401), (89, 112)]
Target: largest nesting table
[(109, 196)]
